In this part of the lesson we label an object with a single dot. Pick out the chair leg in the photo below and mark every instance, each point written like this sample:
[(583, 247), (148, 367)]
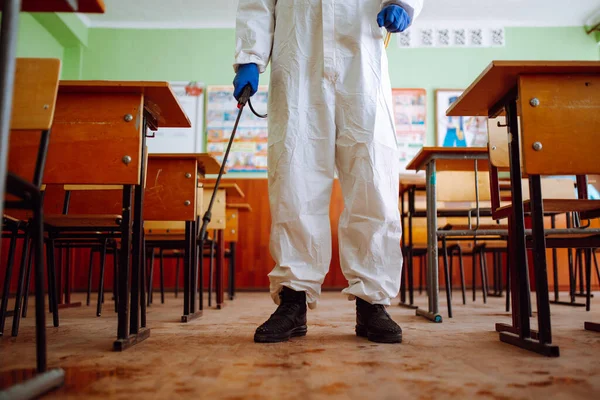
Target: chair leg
[(581, 272), (474, 274), (507, 282), (101, 283), (68, 275), (7, 279), (40, 316), (53, 299), (162, 278), (596, 265), (483, 268), (20, 285), (588, 279), (200, 261), (211, 271), (28, 280), (150, 277), (451, 254), (177, 275), (420, 275), (231, 270), (462, 275), (116, 277), (495, 272), (90, 270), (447, 275)]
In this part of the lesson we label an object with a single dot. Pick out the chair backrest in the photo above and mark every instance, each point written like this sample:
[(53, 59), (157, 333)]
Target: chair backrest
[(35, 92), (34, 104)]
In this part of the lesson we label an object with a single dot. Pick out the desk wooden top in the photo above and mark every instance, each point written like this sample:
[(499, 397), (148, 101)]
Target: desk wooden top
[(81, 6), (240, 206), (418, 163), (502, 76), (208, 163), (231, 189), (159, 98)]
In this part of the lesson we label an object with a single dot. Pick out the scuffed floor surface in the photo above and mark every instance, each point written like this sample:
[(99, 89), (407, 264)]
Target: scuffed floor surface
[(215, 358)]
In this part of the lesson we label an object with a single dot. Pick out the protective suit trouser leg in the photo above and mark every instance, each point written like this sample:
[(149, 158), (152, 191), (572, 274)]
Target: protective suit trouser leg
[(369, 227), (301, 174)]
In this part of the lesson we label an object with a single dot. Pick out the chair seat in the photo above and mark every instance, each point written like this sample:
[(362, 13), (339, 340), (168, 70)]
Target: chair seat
[(553, 206), (83, 221)]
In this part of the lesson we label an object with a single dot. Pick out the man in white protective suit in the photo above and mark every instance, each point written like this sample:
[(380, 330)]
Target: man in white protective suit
[(330, 108)]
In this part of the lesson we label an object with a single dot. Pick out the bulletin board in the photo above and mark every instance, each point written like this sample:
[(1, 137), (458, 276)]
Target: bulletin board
[(249, 150), (183, 140), (410, 114)]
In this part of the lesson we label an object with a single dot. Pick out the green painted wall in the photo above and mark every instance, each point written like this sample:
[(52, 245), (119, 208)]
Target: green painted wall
[(35, 40), (206, 55)]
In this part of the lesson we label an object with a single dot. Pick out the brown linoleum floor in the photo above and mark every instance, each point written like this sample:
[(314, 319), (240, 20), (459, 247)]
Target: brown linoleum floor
[(215, 358)]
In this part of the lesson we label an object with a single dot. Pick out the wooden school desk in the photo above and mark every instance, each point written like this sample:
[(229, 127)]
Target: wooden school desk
[(530, 90), (174, 195), (433, 160), (226, 190), (99, 138)]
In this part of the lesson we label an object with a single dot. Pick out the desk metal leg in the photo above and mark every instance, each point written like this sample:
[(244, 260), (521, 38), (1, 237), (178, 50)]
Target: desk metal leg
[(403, 275), (232, 270), (433, 286), (190, 271), (408, 262), (539, 258), (520, 333), (193, 267), (126, 228), (186, 272), (124, 338)]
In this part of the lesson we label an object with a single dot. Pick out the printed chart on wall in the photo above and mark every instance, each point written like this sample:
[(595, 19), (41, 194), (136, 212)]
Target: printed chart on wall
[(410, 112), (183, 140), (249, 149), (457, 131)]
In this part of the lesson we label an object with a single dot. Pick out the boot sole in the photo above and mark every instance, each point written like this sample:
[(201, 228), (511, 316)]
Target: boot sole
[(282, 337), (378, 338)]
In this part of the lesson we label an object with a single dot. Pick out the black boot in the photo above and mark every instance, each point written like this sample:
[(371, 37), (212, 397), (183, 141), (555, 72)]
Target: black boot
[(289, 320), (374, 323)]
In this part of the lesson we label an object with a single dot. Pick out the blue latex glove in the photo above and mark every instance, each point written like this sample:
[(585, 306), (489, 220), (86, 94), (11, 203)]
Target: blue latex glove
[(247, 74), (394, 18)]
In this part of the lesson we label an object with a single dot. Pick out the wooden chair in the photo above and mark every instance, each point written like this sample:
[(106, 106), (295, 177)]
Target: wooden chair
[(232, 237), (90, 218), (35, 94), (167, 237)]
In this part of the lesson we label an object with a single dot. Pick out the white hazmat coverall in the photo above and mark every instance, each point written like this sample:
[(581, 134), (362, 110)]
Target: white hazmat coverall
[(330, 106)]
